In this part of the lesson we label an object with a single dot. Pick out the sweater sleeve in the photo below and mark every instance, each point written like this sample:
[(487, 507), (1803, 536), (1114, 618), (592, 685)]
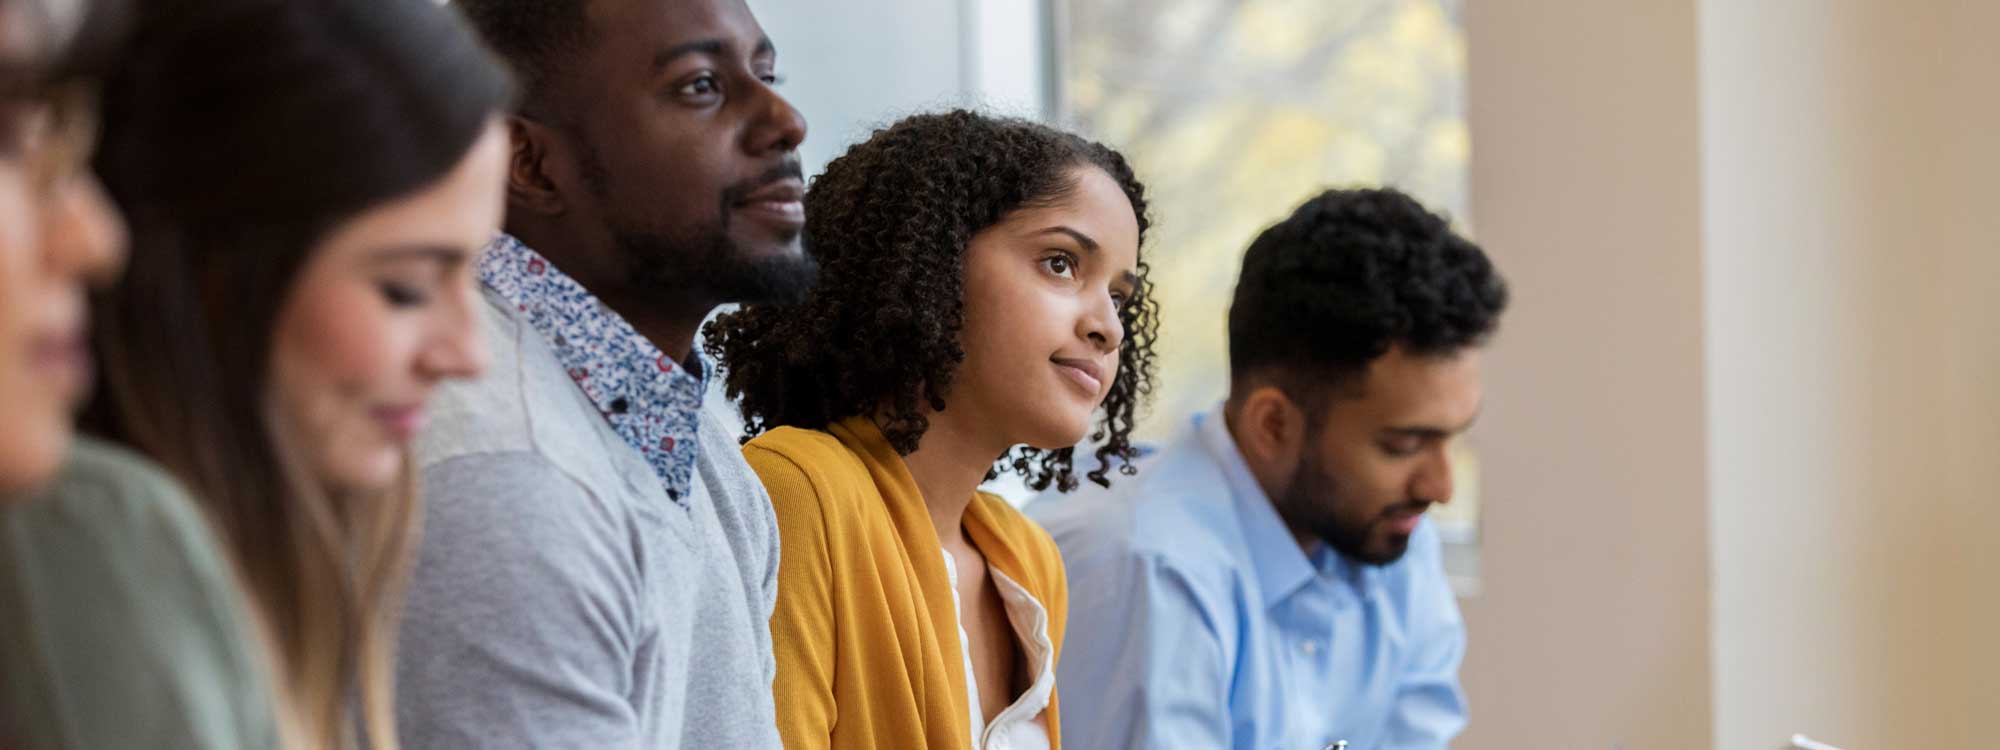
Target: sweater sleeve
[(124, 625)]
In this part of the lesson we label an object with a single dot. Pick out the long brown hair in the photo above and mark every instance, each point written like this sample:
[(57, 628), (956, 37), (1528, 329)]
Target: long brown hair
[(238, 134)]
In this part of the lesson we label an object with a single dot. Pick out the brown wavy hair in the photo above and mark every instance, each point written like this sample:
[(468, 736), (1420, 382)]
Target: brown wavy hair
[(239, 133), (889, 223)]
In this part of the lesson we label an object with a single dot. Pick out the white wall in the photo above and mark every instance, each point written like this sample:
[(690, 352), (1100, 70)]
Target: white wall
[(1854, 414), (1007, 68), (851, 67)]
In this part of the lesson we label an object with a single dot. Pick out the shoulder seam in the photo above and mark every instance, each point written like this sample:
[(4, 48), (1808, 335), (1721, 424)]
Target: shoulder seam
[(531, 455)]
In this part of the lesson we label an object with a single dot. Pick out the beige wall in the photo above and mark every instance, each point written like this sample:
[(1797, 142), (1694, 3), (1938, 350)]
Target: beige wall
[(1848, 162), (1971, 80), (1591, 633), (1743, 441)]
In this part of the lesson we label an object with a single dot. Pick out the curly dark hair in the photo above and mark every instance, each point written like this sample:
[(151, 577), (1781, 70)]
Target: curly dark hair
[(1348, 275), (889, 222)]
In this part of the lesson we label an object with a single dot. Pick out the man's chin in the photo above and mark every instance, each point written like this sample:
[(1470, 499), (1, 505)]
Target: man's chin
[(1390, 550), (777, 278), (1385, 549), (754, 241)]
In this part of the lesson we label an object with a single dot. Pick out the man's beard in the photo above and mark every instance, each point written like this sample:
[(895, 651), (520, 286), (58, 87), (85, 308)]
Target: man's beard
[(705, 263), (708, 264), (1313, 503)]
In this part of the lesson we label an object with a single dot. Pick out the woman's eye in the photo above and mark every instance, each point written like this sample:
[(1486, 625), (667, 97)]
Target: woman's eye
[(1060, 265)]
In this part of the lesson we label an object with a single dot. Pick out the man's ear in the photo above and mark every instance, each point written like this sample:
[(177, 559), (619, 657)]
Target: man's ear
[(531, 183), (1270, 431)]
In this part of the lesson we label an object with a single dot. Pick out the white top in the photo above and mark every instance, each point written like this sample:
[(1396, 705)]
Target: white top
[(1015, 728)]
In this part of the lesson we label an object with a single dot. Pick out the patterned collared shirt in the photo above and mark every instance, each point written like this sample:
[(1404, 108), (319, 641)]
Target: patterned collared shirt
[(651, 400)]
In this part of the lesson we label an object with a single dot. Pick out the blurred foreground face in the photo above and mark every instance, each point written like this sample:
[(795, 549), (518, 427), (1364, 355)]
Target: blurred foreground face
[(58, 236), (385, 309)]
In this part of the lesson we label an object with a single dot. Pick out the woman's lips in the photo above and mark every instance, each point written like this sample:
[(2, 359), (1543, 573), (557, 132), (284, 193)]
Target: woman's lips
[(1087, 375), (65, 359), (402, 422)]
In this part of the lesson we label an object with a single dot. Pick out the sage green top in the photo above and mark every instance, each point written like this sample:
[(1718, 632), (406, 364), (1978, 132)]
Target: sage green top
[(121, 625)]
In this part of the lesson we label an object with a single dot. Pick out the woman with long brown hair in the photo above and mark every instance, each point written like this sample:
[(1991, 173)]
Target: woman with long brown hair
[(308, 183)]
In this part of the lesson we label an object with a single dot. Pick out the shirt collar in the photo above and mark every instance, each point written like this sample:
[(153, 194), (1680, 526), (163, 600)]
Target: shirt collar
[(653, 402), (1282, 568)]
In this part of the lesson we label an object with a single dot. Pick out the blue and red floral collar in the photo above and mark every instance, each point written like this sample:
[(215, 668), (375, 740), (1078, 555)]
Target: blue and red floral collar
[(652, 401)]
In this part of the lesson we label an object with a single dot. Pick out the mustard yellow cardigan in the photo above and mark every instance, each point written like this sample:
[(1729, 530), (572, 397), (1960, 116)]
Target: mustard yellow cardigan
[(865, 633)]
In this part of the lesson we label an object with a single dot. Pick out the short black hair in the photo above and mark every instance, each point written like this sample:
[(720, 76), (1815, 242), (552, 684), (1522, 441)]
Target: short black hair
[(889, 222), (1349, 275), (538, 39)]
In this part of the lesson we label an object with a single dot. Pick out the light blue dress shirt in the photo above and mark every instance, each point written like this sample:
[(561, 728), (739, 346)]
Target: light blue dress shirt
[(1197, 622)]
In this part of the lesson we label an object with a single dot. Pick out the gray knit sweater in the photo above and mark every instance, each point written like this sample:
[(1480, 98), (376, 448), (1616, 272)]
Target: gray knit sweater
[(560, 599)]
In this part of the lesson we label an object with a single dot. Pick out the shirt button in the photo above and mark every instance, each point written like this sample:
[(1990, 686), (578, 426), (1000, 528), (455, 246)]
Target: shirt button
[(1310, 647)]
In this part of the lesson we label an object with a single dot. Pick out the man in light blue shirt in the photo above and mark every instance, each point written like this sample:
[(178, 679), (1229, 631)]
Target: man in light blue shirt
[(1268, 581)]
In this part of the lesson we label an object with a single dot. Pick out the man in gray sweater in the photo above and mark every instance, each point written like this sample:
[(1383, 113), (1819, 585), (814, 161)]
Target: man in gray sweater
[(598, 564)]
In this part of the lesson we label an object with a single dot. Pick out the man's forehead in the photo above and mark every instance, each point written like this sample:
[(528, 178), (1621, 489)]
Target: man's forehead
[(1430, 390), (649, 27)]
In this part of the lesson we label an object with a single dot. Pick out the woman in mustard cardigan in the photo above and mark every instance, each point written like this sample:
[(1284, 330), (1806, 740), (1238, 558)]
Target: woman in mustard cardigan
[(981, 305)]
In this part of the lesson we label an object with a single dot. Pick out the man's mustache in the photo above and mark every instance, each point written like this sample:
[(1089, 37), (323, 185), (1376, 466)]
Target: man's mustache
[(787, 169)]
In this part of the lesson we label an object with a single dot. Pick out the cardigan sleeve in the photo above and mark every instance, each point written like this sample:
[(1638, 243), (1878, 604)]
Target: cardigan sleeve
[(802, 624)]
